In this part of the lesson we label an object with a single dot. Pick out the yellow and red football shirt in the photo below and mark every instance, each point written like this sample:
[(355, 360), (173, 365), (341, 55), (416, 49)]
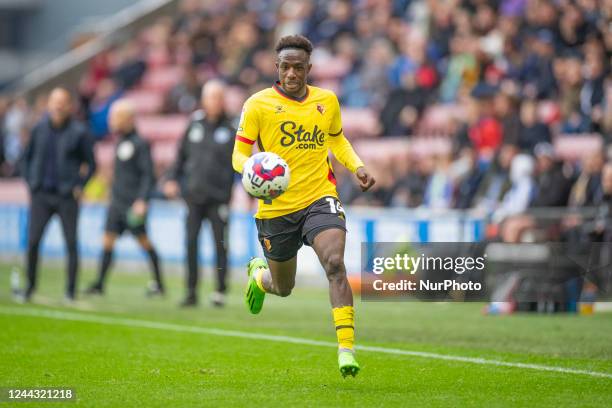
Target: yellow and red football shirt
[(301, 131)]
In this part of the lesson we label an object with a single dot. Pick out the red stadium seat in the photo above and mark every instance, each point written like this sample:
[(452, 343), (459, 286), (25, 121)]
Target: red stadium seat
[(164, 153), (358, 122), (439, 120), (162, 79), (575, 147), (162, 127), (329, 68), (146, 101), (105, 153), (14, 191)]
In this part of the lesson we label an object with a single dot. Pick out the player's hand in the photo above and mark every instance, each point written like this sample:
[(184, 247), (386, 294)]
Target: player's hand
[(366, 180), (139, 208), (171, 189)]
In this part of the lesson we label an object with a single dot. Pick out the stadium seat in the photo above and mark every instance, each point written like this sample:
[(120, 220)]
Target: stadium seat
[(105, 153), (13, 191), (358, 122), (575, 147), (161, 127), (330, 68), (439, 120), (146, 101), (161, 79), (164, 153)]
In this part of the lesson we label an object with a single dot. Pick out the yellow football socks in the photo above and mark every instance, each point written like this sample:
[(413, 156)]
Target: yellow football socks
[(345, 326)]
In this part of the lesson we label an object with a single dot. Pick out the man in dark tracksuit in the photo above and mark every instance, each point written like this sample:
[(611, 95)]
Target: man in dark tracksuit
[(133, 182), (57, 163), (204, 168)]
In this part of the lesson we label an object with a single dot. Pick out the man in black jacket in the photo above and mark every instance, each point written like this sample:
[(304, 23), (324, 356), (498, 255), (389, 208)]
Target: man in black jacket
[(204, 167), (57, 163), (133, 182)]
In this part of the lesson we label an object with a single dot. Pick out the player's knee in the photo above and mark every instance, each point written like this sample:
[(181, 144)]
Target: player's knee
[(334, 266)]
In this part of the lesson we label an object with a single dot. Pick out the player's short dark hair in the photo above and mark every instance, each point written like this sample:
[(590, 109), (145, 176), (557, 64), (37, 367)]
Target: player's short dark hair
[(294, 41)]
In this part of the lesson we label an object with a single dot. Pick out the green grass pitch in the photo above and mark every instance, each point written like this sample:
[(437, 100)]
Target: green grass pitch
[(125, 350)]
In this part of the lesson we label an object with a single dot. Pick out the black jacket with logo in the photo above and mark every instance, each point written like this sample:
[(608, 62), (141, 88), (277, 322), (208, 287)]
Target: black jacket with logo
[(204, 160), (134, 177), (74, 148)]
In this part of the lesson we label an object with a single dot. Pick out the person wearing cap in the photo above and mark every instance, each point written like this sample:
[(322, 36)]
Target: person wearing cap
[(133, 182)]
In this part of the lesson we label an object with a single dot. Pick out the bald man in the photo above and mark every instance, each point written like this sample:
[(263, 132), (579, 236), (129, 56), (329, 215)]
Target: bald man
[(204, 168), (133, 182), (57, 163)]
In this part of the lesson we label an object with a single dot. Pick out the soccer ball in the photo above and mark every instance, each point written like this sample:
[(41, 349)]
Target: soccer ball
[(265, 176)]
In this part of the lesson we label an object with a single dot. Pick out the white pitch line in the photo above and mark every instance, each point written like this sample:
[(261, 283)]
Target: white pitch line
[(118, 321)]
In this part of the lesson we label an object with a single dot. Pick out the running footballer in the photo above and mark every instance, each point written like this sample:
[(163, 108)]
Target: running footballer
[(301, 123)]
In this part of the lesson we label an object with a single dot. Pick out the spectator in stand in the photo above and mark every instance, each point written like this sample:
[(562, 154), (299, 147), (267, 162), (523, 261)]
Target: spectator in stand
[(569, 77), (592, 92), (4, 103), (552, 183), (468, 175), (183, 97), (537, 73), (408, 189), (106, 94), (588, 184), (130, 66), (517, 199), (15, 133), (496, 181), (486, 134), (462, 71), (505, 105), (439, 190), (533, 131), (602, 228), (605, 120)]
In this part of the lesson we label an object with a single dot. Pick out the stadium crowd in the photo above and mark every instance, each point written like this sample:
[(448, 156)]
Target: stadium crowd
[(502, 83)]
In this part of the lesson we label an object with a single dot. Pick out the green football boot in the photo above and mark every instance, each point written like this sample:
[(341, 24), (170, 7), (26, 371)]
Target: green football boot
[(347, 363), (254, 296)]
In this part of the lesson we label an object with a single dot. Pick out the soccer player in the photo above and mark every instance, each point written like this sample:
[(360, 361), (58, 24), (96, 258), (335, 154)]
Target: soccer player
[(133, 181), (301, 123)]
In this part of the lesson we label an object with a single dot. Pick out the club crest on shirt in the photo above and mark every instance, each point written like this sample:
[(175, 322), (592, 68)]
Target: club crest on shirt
[(196, 133), (279, 109), (321, 108), (125, 150)]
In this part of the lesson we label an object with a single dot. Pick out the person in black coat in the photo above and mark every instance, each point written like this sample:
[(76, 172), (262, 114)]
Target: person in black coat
[(133, 182), (204, 168), (57, 162), (552, 184)]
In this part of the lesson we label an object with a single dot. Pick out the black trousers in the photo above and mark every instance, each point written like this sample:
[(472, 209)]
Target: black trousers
[(217, 215), (42, 208)]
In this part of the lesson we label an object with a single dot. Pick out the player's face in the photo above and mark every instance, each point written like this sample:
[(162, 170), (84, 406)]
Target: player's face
[(293, 66)]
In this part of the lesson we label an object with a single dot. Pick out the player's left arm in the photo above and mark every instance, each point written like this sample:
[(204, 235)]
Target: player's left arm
[(344, 152)]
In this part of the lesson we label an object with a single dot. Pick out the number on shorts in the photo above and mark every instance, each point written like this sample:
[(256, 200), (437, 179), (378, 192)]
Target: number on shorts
[(334, 205)]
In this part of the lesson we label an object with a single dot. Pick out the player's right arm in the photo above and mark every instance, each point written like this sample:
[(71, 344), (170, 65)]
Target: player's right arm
[(248, 131)]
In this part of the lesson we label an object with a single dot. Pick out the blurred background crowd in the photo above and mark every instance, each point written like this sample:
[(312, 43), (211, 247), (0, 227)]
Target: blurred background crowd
[(499, 106)]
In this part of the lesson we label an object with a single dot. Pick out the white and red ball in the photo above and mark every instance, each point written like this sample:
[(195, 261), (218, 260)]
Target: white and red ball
[(265, 176)]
